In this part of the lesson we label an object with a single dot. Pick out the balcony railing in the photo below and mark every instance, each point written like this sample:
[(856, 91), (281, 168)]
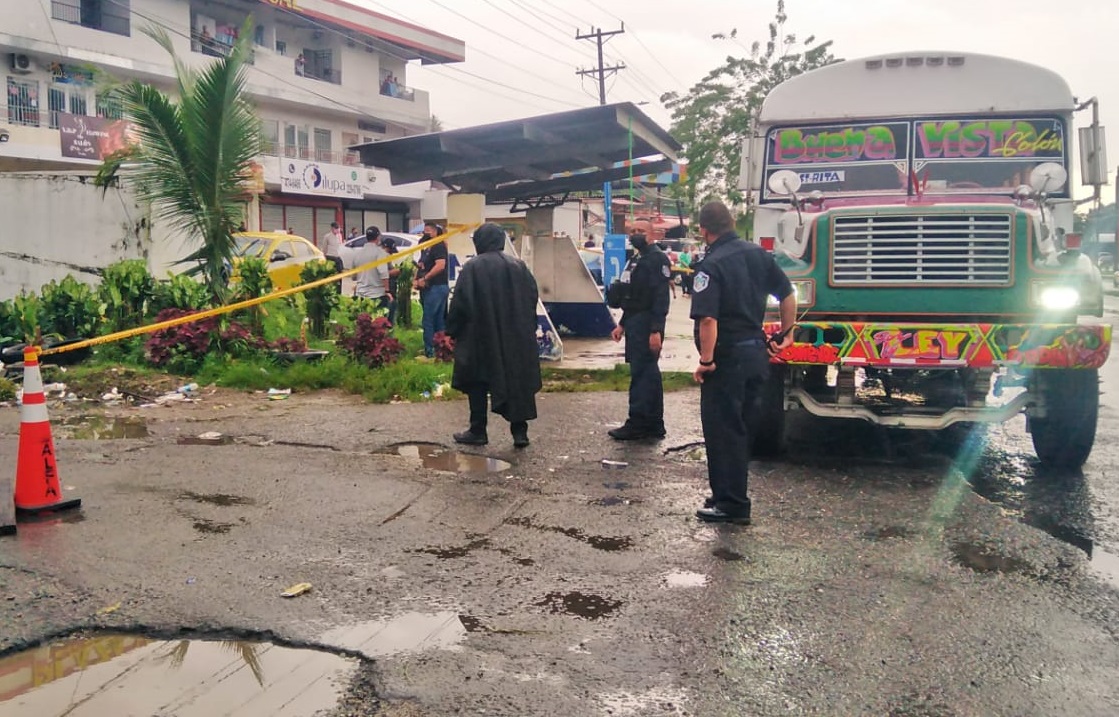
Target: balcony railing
[(333, 75), (400, 92), (330, 156)]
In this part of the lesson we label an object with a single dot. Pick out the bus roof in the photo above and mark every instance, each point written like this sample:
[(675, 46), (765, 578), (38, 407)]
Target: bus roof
[(917, 84)]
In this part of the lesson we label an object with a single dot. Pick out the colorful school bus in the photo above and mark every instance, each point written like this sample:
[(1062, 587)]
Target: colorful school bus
[(921, 205)]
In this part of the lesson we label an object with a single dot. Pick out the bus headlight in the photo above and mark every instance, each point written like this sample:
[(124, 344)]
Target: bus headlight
[(1054, 297), (805, 290)]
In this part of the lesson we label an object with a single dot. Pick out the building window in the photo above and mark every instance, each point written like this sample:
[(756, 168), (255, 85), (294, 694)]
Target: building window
[(322, 145), (23, 102), (270, 136), (107, 15), (296, 141), (318, 65), (109, 106), (349, 139)]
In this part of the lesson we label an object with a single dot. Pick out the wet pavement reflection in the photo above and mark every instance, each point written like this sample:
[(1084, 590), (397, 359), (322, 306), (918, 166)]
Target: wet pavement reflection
[(118, 674), (91, 427), (585, 605), (438, 458)]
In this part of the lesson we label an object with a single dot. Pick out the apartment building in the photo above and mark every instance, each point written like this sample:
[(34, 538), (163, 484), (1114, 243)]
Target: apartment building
[(326, 75)]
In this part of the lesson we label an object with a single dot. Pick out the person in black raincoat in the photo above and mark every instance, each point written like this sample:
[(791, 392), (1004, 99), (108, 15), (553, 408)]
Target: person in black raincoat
[(492, 319)]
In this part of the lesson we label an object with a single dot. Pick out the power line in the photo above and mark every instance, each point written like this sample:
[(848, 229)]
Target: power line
[(499, 34), (534, 29), (602, 72), (656, 59), (539, 12), (480, 52)]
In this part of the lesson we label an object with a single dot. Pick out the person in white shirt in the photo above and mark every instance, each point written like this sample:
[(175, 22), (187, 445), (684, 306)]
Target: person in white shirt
[(331, 245)]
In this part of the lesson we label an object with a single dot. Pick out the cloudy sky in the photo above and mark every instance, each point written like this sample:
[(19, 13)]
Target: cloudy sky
[(522, 54)]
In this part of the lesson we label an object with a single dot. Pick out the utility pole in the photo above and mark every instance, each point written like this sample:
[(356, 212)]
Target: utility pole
[(601, 72)]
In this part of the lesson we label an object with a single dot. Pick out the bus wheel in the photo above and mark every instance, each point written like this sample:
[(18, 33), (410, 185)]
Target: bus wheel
[(1064, 437), (767, 420)]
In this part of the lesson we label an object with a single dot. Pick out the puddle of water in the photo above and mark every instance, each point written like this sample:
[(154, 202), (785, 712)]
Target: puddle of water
[(126, 674), (585, 605), (982, 560), (684, 579), (617, 485), (438, 458), (657, 700), (222, 499), (65, 516), (103, 428), (472, 624), (411, 632), (610, 544)]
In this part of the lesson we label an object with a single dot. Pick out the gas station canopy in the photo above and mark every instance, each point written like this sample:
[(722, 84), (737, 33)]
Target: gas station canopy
[(534, 157)]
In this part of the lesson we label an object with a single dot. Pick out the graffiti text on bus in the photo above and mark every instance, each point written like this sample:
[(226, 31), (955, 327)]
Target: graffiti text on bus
[(989, 138), (798, 146)]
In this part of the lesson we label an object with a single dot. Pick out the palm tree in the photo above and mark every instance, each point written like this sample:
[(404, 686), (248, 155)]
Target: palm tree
[(193, 152)]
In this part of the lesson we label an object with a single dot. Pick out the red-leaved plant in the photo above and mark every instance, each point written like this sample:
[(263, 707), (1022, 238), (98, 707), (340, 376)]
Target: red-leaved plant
[(287, 344), (444, 347), (182, 348), (370, 343)]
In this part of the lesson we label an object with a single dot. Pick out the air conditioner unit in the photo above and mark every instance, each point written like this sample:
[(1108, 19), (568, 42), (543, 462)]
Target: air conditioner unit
[(19, 63)]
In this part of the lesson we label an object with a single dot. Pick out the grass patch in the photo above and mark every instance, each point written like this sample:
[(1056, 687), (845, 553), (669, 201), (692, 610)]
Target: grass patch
[(557, 380)]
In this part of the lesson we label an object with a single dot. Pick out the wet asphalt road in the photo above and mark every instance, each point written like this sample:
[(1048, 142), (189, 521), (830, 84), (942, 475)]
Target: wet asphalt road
[(877, 580)]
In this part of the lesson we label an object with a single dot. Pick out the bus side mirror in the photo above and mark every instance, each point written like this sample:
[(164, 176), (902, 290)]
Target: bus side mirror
[(1093, 156)]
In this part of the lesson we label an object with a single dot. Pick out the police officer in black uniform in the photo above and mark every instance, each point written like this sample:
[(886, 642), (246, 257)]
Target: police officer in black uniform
[(729, 292), (644, 303)]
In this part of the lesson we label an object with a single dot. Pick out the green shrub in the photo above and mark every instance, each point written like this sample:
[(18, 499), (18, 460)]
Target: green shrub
[(9, 322), (26, 309), (179, 291), (69, 308), (322, 299), (7, 390), (126, 290), (254, 283), (404, 294)]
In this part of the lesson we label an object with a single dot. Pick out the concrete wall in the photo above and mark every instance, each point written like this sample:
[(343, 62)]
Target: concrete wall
[(59, 224)]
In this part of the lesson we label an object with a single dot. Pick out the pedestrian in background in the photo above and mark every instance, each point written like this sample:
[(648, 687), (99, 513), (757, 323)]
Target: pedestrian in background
[(389, 245), (332, 245), (373, 283), (431, 280), (644, 285), (492, 320), (729, 293)]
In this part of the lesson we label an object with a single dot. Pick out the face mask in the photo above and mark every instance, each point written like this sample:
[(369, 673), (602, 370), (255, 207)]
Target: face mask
[(638, 244)]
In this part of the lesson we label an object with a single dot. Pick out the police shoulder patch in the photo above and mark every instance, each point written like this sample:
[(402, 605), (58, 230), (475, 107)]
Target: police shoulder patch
[(666, 271), (701, 281)]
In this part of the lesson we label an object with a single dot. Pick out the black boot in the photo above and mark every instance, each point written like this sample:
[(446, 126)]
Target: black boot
[(519, 429), (472, 437), (630, 432), (476, 434)]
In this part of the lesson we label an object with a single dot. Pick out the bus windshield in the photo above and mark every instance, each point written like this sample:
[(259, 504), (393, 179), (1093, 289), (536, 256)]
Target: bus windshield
[(935, 156)]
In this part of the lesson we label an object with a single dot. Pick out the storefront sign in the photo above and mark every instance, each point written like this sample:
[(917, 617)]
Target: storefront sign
[(301, 177), (286, 4), (85, 137), (298, 176)]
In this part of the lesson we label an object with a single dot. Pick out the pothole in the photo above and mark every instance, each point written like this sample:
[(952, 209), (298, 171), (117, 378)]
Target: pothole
[(210, 438), (983, 560), (585, 605), (724, 553), (888, 532), (614, 500), (88, 427), (690, 452), (438, 458), (220, 499), (129, 674)]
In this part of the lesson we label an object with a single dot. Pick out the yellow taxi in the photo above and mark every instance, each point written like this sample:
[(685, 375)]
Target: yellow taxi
[(285, 253)]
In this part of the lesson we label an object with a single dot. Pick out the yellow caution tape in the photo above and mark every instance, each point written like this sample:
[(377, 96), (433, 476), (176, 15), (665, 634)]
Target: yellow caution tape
[(190, 318)]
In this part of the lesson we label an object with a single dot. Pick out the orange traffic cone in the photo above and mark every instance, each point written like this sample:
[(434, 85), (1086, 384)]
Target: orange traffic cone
[(37, 485)]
